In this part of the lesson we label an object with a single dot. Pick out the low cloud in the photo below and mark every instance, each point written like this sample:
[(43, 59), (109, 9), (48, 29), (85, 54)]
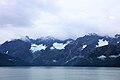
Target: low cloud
[(58, 18)]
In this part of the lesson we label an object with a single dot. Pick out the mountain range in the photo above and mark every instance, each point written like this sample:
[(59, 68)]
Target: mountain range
[(89, 50)]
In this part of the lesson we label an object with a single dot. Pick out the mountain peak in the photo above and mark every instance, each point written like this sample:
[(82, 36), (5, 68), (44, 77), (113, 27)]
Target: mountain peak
[(25, 38), (92, 34), (117, 35), (47, 38)]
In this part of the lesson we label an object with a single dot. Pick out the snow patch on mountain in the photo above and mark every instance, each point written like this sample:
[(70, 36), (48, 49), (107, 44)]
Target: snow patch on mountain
[(59, 45), (84, 46), (6, 52), (101, 57), (114, 56), (54, 61), (102, 43), (72, 59), (35, 47), (52, 48)]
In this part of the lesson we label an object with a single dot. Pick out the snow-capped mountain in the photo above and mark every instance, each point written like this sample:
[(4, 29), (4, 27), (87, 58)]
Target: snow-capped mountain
[(89, 50)]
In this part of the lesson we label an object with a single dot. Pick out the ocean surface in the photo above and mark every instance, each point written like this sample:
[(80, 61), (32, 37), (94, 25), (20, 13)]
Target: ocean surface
[(59, 73)]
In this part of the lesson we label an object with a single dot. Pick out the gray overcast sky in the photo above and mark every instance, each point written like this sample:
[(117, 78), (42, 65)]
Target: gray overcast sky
[(58, 18)]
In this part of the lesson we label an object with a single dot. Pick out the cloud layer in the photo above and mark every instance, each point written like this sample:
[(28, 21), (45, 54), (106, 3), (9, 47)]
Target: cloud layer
[(58, 18)]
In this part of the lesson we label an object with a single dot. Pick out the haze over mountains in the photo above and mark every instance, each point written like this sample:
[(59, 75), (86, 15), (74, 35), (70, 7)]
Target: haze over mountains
[(89, 50)]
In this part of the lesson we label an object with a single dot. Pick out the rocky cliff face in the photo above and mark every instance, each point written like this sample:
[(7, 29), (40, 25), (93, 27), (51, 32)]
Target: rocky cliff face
[(17, 48), (6, 60)]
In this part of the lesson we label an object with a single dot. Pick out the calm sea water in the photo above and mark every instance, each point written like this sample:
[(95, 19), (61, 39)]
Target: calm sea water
[(59, 73)]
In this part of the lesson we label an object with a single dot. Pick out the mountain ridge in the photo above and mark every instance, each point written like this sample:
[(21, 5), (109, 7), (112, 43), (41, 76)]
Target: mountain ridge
[(54, 52)]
